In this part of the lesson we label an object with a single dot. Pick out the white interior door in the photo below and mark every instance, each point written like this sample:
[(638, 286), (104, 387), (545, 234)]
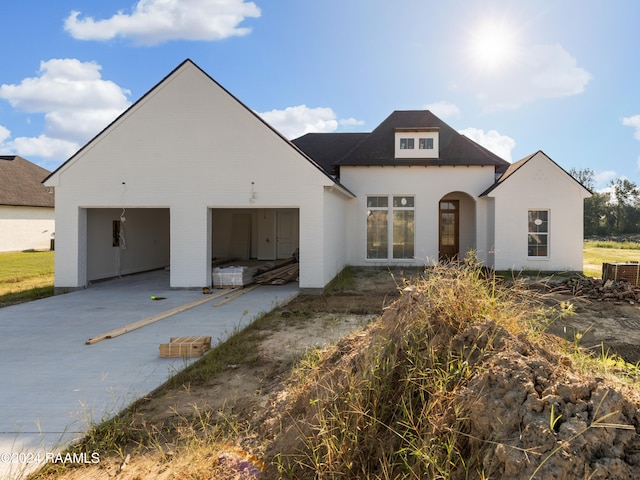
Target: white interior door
[(287, 233)]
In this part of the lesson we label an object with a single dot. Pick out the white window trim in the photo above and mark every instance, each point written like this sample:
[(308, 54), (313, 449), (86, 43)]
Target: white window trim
[(417, 134), (390, 209), (548, 234)]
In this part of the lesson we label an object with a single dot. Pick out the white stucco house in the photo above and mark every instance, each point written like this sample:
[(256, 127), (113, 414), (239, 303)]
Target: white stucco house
[(27, 219), (189, 174)]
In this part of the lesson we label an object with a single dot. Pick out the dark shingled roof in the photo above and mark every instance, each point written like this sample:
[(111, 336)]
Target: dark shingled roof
[(378, 147), (21, 183), (327, 148)]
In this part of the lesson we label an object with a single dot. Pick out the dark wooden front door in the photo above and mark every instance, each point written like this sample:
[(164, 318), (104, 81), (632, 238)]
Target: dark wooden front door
[(449, 237)]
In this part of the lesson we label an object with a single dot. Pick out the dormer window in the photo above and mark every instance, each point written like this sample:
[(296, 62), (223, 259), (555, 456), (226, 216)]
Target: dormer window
[(406, 144), (420, 142), (425, 143)]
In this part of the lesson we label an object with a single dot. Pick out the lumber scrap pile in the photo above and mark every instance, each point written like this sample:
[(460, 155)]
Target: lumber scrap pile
[(279, 276), (185, 347), (596, 289), (266, 267)]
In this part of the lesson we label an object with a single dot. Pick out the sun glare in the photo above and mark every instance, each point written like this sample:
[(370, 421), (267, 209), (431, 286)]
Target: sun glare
[(493, 46)]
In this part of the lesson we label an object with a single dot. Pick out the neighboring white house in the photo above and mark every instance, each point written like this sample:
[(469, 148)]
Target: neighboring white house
[(189, 174), (26, 206)]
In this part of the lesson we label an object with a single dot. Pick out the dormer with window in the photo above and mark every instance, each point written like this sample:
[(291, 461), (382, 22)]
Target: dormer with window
[(417, 142)]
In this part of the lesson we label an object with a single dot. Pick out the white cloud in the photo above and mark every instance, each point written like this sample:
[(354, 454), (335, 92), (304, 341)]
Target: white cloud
[(603, 178), (501, 145), (634, 122), (76, 102), (155, 21), (4, 134), (43, 147), (296, 121), (538, 71), (443, 109), (351, 122)]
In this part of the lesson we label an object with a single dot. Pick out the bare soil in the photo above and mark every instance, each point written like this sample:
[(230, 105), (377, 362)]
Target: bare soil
[(602, 326), (247, 391)]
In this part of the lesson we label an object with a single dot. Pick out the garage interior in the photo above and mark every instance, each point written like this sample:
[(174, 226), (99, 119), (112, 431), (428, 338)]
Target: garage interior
[(250, 242), (123, 241)]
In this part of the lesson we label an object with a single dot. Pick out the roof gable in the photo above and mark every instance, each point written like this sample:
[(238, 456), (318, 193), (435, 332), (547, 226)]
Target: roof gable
[(378, 148), (517, 166), (21, 183), (187, 65)]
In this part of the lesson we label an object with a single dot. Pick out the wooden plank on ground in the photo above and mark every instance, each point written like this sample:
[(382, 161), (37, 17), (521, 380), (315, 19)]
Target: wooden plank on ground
[(155, 318), (279, 276), (236, 294)]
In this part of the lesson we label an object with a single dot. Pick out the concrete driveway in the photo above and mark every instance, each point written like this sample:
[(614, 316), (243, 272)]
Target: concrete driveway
[(53, 385)]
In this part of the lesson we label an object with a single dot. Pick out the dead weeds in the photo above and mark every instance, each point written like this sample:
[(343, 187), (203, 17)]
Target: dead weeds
[(241, 418)]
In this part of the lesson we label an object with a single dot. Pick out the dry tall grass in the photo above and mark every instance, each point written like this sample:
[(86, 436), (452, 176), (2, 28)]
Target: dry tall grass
[(387, 409)]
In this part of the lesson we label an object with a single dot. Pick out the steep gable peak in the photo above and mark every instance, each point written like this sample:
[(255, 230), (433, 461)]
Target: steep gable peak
[(183, 67), (518, 166)]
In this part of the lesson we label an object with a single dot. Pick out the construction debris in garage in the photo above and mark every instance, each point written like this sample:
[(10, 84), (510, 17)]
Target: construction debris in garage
[(279, 276), (270, 273), (232, 276)]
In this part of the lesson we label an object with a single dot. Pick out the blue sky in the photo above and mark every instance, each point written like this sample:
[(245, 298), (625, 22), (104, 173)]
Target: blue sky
[(516, 76)]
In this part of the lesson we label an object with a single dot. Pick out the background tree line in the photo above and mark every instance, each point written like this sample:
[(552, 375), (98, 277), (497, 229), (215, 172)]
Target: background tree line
[(615, 212)]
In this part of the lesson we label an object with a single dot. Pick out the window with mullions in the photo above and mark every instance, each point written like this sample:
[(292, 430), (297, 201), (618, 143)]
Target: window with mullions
[(538, 233), (377, 227), (406, 143), (390, 224), (425, 144)]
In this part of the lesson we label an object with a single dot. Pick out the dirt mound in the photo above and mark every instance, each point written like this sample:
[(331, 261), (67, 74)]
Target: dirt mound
[(449, 384), (529, 413)]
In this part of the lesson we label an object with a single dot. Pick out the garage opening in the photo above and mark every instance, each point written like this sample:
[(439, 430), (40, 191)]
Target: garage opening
[(122, 241), (254, 237), (260, 234)]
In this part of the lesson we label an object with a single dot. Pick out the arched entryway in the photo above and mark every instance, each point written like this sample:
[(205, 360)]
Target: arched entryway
[(456, 225)]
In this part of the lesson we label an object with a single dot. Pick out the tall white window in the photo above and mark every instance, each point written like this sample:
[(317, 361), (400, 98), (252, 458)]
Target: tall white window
[(538, 233), (377, 227), (390, 227)]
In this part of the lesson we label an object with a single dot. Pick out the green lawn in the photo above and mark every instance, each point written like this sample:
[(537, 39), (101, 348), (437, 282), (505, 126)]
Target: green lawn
[(25, 276), (597, 253)]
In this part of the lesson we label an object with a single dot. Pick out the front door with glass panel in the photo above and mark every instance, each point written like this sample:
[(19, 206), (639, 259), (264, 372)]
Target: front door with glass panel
[(449, 238)]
